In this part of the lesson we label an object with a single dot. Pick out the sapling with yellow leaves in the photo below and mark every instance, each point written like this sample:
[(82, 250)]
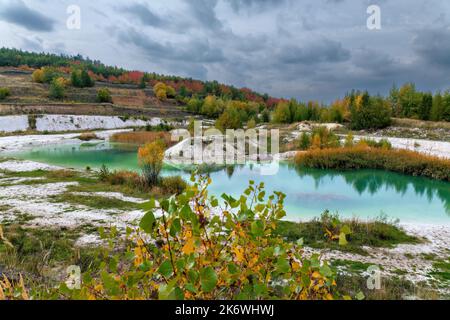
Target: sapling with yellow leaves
[(195, 246)]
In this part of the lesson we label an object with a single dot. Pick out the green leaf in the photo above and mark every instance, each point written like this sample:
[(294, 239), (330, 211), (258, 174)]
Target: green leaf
[(193, 276), (166, 269), (186, 213), (111, 286), (148, 206), (208, 279), (325, 270), (257, 228), (343, 239), (148, 222), (360, 296), (214, 203), (283, 266), (233, 269), (346, 230), (175, 228)]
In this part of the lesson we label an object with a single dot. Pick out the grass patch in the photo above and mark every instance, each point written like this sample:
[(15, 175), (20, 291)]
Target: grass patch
[(95, 202), (41, 256), (354, 158), (5, 207), (351, 266), (392, 288), (378, 233), (441, 270)]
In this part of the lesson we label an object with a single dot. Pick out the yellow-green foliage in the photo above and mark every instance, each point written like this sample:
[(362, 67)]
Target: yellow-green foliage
[(151, 157), (364, 157), (187, 253), (163, 91), (104, 96), (4, 93)]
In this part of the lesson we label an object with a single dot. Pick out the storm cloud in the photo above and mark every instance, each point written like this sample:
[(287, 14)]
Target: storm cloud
[(17, 12), (309, 49)]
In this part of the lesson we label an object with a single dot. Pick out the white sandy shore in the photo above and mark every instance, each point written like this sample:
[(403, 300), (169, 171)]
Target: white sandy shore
[(18, 143), (434, 148)]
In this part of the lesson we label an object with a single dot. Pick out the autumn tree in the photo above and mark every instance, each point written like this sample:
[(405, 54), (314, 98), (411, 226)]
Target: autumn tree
[(437, 110), (446, 106), (426, 106), (104, 96), (151, 158), (57, 88), (369, 112), (282, 113), (230, 119), (409, 100)]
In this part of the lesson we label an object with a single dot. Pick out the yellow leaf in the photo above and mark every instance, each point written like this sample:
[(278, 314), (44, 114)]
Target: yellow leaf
[(189, 247), (239, 252)]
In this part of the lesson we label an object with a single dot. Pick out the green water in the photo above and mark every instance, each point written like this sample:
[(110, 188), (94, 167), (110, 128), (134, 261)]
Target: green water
[(363, 194)]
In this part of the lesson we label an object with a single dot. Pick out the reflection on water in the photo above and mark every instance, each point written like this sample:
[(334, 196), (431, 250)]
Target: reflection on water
[(366, 193)]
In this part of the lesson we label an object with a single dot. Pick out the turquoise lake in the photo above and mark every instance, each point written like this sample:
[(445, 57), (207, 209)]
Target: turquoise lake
[(365, 194)]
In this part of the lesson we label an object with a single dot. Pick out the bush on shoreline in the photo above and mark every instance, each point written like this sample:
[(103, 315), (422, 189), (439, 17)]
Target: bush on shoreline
[(142, 137), (362, 157)]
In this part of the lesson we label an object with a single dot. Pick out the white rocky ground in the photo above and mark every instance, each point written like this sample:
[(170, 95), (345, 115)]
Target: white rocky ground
[(60, 123), (434, 148)]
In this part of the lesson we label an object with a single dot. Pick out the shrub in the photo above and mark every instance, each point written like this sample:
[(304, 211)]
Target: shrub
[(104, 96), (46, 75), (86, 80), (4, 93), (104, 173), (163, 91), (363, 157), (185, 253), (88, 136), (323, 138), (124, 177), (57, 88), (304, 141), (142, 137), (282, 113), (38, 76), (369, 113), (251, 124), (382, 144), (173, 185), (151, 158), (230, 119)]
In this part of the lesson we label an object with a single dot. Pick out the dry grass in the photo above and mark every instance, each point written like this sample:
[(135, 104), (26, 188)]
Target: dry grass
[(88, 136), (354, 158), (411, 123), (142, 137)]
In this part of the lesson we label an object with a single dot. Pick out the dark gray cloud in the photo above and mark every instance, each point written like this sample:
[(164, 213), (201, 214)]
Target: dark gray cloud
[(433, 45), (144, 15), (309, 49), (258, 5), (322, 51), (19, 13)]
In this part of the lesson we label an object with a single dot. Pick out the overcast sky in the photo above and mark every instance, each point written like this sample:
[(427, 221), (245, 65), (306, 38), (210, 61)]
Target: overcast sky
[(313, 49)]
